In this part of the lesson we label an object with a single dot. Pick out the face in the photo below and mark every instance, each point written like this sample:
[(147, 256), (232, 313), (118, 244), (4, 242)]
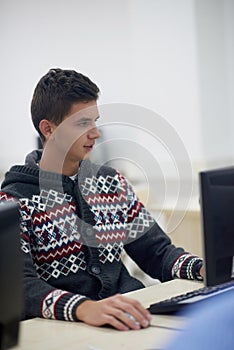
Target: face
[(75, 137)]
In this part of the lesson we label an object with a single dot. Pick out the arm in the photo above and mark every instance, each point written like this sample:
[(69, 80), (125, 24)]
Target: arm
[(154, 253), (118, 311), (40, 298), (150, 247), (158, 257), (43, 300)]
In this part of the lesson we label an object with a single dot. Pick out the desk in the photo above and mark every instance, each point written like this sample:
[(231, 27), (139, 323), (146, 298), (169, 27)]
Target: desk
[(38, 334)]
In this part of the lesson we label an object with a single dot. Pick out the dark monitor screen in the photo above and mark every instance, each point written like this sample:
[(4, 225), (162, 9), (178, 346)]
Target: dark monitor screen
[(10, 275), (217, 204)]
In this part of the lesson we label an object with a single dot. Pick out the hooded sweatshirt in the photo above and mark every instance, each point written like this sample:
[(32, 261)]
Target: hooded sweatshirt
[(73, 235)]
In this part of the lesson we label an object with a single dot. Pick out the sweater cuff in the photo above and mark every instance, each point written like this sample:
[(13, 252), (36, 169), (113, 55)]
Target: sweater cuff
[(187, 266), (61, 305)]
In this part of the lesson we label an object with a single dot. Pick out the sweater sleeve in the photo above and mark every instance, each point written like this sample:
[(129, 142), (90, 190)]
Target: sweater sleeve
[(43, 300), (151, 248), (40, 298)]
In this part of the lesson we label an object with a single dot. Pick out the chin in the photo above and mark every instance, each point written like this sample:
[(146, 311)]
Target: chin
[(86, 156)]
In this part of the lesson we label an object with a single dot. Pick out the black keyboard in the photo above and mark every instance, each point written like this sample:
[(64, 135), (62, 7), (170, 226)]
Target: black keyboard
[(180, 302)]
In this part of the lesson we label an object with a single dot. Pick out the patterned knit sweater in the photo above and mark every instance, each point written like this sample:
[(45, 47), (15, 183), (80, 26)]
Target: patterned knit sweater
[(73, 234)]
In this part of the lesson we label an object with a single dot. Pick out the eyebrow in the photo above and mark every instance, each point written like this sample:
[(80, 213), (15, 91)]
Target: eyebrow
[(84, 119)]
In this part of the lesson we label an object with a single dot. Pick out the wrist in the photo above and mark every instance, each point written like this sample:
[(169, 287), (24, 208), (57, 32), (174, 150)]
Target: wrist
[(198, 271), (80, 309)]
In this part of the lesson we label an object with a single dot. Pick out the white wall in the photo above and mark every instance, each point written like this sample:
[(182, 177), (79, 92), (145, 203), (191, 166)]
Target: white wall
[(215, 38), (147, 52)]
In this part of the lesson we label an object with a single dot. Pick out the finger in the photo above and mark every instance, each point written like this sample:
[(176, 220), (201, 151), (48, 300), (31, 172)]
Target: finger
[(125, 318), (135, 303), (116, 323), (131, 317), (138, 306), (138, 316), (135, 309), (127, 314)]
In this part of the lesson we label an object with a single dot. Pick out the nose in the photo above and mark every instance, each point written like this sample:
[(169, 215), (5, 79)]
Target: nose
[(94, 133)]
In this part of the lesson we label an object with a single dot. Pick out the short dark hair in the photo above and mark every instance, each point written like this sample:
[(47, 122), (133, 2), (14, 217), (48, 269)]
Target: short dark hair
[(55, 94)]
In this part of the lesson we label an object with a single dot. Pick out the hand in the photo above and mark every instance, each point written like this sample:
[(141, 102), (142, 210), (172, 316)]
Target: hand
[(118, 311), (202, 271)]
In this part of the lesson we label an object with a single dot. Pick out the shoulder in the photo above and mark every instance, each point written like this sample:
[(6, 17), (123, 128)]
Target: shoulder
[(96, 178), (90, 169), (101, 168), (6, 197)]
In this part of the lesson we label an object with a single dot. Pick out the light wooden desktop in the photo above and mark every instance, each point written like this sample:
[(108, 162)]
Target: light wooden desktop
[(45, 334)]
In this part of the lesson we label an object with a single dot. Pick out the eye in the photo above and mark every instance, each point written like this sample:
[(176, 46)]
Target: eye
[(83, 124)]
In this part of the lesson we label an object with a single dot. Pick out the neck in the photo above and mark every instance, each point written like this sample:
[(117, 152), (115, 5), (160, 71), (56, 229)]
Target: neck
[(53, 161)]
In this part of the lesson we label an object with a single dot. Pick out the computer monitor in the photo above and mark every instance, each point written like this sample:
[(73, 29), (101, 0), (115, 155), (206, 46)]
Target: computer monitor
[(10, 275), (217, 208)]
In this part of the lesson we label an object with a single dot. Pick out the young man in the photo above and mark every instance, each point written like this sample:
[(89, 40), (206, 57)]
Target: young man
[(78, 217)]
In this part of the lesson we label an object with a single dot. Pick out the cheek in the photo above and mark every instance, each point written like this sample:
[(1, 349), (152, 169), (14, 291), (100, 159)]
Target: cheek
[(79, 142), (69, 137)]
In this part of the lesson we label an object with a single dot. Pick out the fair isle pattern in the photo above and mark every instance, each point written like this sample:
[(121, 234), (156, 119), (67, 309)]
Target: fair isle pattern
[(94, 185), (117, 213), (189, 270), (182, 260), (140, 223), (50, 199), (67, 312), (6, 197), (58, 250), (25, 219), (66, 265), (176, 268), (110, 252), (25, 225), (49, 222), (49, 303)]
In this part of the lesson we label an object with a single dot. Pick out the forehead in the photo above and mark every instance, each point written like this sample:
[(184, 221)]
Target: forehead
[(83, 110)]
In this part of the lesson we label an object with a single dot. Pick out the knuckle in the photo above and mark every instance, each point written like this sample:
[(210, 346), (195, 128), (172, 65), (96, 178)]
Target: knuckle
[(110, 318), (129, 308), (137, 303), (114, 299), (111, 301), (118, 313)]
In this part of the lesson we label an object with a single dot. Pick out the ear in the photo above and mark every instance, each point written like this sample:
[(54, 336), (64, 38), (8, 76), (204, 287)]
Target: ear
[(47, 128)]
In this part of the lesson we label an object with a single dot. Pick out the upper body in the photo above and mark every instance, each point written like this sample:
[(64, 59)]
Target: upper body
[(77, 217)]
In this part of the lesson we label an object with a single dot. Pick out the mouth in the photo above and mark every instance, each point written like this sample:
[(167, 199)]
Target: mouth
[(89, 147)]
